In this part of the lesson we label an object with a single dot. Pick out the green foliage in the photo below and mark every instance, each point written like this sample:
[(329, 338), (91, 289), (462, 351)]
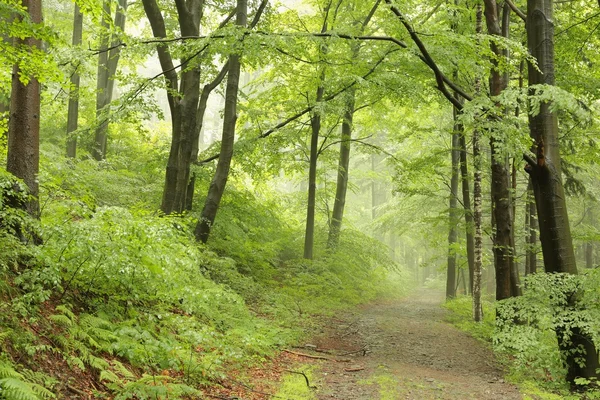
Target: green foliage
[(527, 326), (14, 386), (461, 315)]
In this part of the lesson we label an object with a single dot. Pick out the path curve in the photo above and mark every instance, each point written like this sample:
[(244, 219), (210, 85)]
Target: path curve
[(405, 350)]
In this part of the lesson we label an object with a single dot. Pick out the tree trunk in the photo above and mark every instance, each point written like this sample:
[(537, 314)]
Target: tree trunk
[(315, 125), (500, 182), (107, 67), (477, 200), (466, 196), (183, 98), (73, 112), (453, 220), (217, 185), (515, 279), (24, 123), (531, 234), (545, 172), (342, 175)]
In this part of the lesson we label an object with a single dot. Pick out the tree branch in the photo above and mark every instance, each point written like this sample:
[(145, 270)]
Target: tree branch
[(517, 10)]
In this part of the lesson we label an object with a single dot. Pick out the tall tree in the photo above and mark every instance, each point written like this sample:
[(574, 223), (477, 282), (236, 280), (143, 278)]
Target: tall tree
[(182, 97), (344, 157), (497, 21), (24, 123), (73, 112), (217, 185), (108, 59), (545, 172), (453, 216)]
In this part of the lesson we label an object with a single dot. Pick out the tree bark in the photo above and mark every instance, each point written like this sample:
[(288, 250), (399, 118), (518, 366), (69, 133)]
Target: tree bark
[(24, 123), (477, 200), (342, 175), (453, 219), (515, 279), (73, 111), (466, 196), (531, 234), (545, 173), (183, 98), (107, 67), (315, 125), (217, 185), (503, 251)]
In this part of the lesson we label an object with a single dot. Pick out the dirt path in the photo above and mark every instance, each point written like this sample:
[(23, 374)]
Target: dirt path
[(404, 350)]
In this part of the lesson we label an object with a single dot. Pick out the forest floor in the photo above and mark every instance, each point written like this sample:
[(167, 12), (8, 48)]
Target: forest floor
[(392, 350)]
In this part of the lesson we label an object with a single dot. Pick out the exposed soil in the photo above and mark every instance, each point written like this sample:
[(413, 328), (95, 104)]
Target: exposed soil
[(405, 350)]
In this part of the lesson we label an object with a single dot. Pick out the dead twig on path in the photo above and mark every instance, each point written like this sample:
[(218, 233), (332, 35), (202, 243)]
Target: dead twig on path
[(315, 357), (304, 375)]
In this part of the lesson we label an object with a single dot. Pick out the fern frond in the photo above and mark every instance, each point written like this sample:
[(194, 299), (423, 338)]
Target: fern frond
[(16, 389)]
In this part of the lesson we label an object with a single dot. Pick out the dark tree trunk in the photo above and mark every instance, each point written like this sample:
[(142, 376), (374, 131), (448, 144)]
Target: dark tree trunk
[(203, 103), (466, 196), (107, 67), (500, 178), (183, 98), (217, 185), (342, 175), (24, 123), (315, 125), (453, 219), (545, 172), (73, 112)]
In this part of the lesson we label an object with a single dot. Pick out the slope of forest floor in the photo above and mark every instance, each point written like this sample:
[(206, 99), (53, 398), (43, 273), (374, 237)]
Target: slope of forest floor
[(404, 350)]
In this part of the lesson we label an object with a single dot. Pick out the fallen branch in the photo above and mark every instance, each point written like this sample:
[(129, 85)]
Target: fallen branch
[(309, 355), (304, 375), (354, 369)]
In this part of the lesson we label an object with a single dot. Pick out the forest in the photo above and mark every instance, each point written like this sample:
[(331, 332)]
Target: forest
[(193, 192)]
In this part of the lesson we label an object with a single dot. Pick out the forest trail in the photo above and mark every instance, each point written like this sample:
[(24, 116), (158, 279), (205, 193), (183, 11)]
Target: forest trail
[(405, 350)]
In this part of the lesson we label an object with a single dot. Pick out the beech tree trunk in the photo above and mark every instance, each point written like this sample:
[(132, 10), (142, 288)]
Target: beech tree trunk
[(453, 219), (108, 60), (219, 181), (477, 200), (183, 98), (73, 111), (342, 175), (315, 125), (466, 196), (531, 234), (545, 173), (503, 251), (24, 123)]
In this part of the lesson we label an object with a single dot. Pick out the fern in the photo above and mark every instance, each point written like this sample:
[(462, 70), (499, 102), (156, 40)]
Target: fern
[(155, 387)]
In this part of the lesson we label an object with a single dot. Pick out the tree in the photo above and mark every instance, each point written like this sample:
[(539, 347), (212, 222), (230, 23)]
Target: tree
[(217, 185), (545, 173), (73, 113), (24, 122), (453, 215), (345, 143), (108, 59)]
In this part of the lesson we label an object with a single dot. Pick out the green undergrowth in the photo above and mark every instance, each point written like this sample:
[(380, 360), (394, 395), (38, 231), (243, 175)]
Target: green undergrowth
[(522, 331), (119, 302)]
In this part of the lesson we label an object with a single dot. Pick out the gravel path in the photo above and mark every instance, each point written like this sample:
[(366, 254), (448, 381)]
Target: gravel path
[(405, 350)]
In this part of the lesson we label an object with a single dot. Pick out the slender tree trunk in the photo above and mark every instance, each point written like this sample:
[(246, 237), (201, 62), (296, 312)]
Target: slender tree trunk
[(24, 123), (453, 220), (531, 234), (107, 67), (73, 112), (342, 176), (545, 172), (315, 125), (515, 279), (466, 196), (217, 185), (477, 200)]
